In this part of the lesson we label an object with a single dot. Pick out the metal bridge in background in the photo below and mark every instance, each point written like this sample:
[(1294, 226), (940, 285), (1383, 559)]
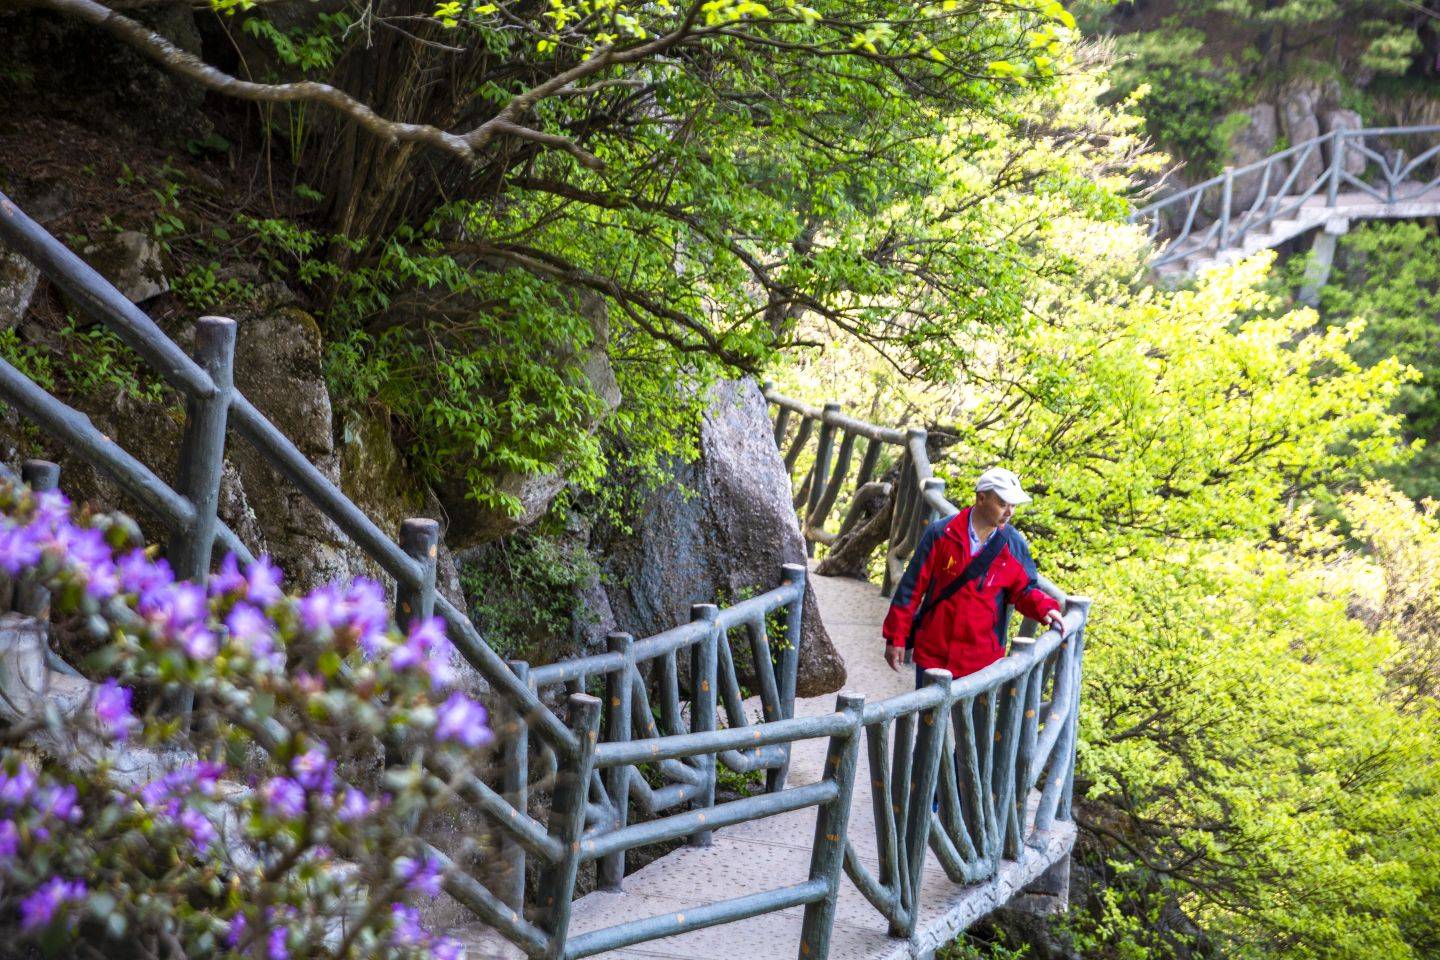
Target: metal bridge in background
[(1372, 173), (848, 781)]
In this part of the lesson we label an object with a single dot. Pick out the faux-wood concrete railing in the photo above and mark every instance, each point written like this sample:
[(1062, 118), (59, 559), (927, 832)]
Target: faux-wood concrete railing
[(593, 780)]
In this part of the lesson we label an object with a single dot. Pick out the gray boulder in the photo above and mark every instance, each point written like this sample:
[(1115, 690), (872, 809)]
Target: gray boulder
[(1297, 111), (1340, 120), (722, 529), (18, 279), (1255, 141), (131, 261)]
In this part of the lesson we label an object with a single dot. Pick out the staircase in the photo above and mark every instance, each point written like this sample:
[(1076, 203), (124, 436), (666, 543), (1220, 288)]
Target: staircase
[(1369, 174)]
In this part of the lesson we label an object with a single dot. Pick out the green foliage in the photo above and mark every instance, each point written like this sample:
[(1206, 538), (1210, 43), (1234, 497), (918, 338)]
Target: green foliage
[(522, 594), (969, 947), (309, 49), (1181, 95), (1239, 724), (1389, 278), (746, 784), (98, 364), (29, 359)]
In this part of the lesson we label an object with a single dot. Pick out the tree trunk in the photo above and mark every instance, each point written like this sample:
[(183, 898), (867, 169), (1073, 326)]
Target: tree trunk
[(866, 527)]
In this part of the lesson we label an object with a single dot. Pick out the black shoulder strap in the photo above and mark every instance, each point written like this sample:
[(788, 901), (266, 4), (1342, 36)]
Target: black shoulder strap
[(978, 566)]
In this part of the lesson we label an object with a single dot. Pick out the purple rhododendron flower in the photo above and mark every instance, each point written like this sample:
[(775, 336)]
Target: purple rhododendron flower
[(407, 930), (284, 797), (321, 609), (83, 546), (353, 806), (142, 576), (264, 579), (198, 642), (369, 615), (112, 709), (236, 933), (51, 507), (9, 840), (200, 777), (277, 946), (426, 648), (462, 720), (19, 549), (421, 876), (313, 770), (175, 606), (39, 909), (15, 789), (228, 579), (102, 582), (58, 802), (199, 828), (253, 631), (446, 948)]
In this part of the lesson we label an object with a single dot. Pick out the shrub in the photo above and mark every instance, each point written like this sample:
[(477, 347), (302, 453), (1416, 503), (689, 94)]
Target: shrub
[(265, 837)]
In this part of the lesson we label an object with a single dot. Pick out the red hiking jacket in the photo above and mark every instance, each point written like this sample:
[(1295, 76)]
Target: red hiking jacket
[(967, 632)]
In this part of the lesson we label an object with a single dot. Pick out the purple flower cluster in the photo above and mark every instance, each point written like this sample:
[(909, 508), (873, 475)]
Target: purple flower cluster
[(427, 650), (421, 876), (242, 611), (167, 794), (23, 791), (463, 721), (112, 710), (172, 797), (41, 907), (406, 931)]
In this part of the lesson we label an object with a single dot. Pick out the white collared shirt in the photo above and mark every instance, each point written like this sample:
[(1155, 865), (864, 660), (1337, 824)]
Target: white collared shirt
[(976, 544)]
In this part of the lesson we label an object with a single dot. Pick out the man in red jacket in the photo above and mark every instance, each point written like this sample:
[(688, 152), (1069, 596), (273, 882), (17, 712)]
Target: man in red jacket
[(953, 613)]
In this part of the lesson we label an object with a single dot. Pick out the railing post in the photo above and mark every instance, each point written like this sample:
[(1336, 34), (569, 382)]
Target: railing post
[(1227, 195), (611, 869), (1337, 166), (1009, 738), (1064, 813), (202, 447), (828, 852), (420, 539), (792, 573), (1029, 737), (925, 774), (782, 424), (515, 787), (1058, 780), (901, 503), (202, 456), (820, 474), (567, 823), (702, 706)]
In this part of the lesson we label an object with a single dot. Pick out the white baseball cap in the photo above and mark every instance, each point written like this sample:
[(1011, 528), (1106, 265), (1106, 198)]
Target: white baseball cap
[(1003, 482)]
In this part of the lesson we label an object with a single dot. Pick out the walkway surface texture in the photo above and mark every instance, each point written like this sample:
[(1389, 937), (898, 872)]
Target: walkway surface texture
[(776, 851)]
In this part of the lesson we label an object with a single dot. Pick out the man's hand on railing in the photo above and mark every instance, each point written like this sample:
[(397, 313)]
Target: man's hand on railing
[(1057, 620)]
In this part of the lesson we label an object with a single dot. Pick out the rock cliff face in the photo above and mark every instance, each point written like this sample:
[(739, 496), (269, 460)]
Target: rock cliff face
[(723, 528)]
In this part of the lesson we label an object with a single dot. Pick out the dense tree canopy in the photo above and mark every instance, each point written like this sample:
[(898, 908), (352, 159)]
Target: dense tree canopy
[(702, 175)]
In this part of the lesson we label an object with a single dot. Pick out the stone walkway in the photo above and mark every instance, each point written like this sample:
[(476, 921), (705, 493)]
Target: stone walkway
[(771, 853)]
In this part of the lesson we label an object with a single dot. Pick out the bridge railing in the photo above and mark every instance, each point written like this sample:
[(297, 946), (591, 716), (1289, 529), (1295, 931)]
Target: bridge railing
[(592, 779), (563, 749), (1395, 165), (996, 749)]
